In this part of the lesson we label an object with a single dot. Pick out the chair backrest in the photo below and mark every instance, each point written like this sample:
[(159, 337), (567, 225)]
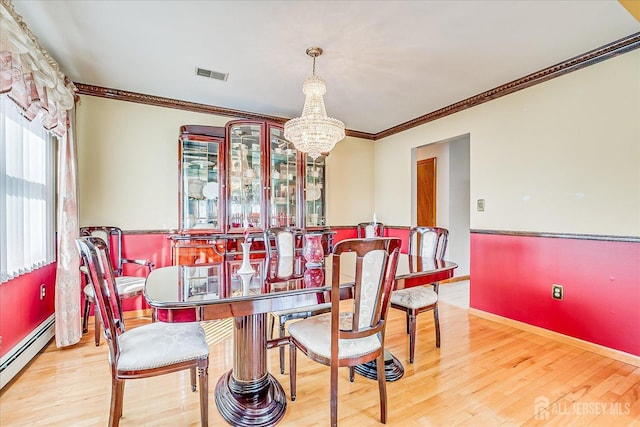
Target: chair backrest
[(112, 236), (368, 230), (375, 269), (283, 246), (428, 242), (95, 254)]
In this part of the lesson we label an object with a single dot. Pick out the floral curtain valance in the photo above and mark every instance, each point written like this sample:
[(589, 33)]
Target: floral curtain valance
[(30, 76)]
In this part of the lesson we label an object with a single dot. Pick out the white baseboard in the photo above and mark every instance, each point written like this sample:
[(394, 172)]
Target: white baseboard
[(612, 353), (15, 360)]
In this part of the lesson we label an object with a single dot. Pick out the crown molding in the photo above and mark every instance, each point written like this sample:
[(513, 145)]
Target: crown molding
[(610, 50), (592, 57), (158, 101)]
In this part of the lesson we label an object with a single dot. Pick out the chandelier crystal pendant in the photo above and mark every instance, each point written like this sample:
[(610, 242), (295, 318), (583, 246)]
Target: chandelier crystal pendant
[(314, 132)]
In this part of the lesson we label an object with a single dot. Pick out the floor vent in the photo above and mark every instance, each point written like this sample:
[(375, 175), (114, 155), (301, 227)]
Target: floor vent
[(212, 74)]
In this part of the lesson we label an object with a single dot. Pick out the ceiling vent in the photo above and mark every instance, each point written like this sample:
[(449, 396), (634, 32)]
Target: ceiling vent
[(212, 74)]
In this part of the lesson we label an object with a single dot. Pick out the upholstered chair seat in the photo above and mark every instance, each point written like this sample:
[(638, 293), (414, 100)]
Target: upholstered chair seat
[(315, 335), (128, 286), (413, 298), (161, 344)]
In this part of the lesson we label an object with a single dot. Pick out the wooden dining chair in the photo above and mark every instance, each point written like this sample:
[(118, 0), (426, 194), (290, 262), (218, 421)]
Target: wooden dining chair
[(128, 286), (146, 351), (426, 242), (367, 230), (354, 336), (283, 246)]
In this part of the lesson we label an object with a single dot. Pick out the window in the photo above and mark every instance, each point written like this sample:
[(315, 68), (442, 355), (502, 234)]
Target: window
[(27, 193)]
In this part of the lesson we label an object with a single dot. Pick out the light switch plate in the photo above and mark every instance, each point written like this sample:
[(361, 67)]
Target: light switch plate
[(480, 205)]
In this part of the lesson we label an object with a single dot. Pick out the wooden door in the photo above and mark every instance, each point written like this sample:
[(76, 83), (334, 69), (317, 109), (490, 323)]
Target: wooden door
[(426, 192)]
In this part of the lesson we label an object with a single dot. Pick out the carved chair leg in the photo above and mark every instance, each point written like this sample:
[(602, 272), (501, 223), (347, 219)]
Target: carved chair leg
[(85, 316), (117, 393), (408, 324), (281, 347), (352, 371), (192, 374), (334, 394), (382, 387), (96, 326), (203, 378), (437, 324), (412, 336), (292, 370)]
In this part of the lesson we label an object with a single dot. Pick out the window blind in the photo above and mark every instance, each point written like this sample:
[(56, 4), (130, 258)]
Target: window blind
[(27, 193)]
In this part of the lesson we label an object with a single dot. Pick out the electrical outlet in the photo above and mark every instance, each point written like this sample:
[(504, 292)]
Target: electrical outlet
[(43, 291), (557, 292)]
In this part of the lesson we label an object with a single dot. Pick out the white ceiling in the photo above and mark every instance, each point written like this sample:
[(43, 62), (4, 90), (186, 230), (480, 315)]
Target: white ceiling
[(385, 62)]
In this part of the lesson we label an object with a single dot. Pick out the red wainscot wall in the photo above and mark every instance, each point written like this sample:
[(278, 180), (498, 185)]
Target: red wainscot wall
[(512, 276), (21, 309)]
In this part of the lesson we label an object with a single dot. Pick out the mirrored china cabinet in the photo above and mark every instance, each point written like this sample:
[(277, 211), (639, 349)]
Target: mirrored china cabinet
[(243, 176), (201, 155)]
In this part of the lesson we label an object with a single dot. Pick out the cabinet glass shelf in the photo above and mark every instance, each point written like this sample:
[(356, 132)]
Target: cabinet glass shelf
[(284, 193), (245, 176), (315, 209), (200, 181)]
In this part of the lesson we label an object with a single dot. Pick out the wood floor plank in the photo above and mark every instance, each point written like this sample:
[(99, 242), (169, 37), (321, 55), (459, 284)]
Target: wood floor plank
[(484, 374)]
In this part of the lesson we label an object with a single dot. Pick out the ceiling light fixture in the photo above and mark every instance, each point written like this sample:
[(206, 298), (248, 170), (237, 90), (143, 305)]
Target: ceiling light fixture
[(313, 132)]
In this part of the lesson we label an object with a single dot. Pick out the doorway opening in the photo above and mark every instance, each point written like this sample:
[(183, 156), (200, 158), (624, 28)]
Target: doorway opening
[(450, 191)]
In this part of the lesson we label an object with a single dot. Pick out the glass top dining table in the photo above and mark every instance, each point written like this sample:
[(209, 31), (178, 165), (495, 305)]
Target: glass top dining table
[(248, 395)]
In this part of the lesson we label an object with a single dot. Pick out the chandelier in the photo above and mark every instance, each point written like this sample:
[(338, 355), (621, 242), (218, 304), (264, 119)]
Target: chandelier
[(313, 132)]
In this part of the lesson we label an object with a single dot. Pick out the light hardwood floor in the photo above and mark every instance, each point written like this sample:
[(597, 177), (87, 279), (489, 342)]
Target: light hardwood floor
[(485, 374)]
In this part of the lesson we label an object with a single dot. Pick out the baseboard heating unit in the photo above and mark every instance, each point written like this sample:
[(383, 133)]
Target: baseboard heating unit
[(16, 359)]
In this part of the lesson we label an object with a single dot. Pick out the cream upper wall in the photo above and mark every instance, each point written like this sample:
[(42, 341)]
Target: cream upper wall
[(128, 166), (128, 162), (562, 156), (350, 182)]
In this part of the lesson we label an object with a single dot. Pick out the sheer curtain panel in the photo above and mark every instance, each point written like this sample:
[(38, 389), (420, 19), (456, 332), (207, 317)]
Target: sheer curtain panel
[(68, 289)]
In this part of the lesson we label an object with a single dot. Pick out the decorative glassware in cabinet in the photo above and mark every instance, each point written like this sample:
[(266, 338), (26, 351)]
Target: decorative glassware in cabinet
[(201, 283), (283, 185), (245, 176), (200, 192), (315, 192)]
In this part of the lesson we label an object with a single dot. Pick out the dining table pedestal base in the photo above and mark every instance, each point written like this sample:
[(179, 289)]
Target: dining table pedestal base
[(260, 403), (393, 369)]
